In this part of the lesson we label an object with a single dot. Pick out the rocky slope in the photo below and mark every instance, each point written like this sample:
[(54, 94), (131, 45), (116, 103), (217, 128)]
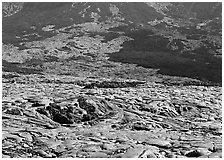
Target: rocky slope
[(67, 93), (183, 23), (10, 8)]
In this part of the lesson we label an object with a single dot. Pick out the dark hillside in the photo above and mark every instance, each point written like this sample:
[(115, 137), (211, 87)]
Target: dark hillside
[(151, 52)]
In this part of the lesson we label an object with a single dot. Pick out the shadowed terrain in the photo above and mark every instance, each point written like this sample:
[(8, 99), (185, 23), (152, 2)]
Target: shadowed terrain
[(151, 52)]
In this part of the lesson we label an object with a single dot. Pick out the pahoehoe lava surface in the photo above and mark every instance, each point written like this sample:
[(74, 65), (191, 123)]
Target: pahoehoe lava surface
[(112, 80)]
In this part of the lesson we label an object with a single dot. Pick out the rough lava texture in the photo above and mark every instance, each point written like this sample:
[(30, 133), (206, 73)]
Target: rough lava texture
[(111, 80), (62, 118)]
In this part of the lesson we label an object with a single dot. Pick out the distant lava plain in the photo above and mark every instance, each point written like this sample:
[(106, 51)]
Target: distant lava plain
[(179, 39)]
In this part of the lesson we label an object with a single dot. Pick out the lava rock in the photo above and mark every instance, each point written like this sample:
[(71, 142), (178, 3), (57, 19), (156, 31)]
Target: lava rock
[(14, 111)]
